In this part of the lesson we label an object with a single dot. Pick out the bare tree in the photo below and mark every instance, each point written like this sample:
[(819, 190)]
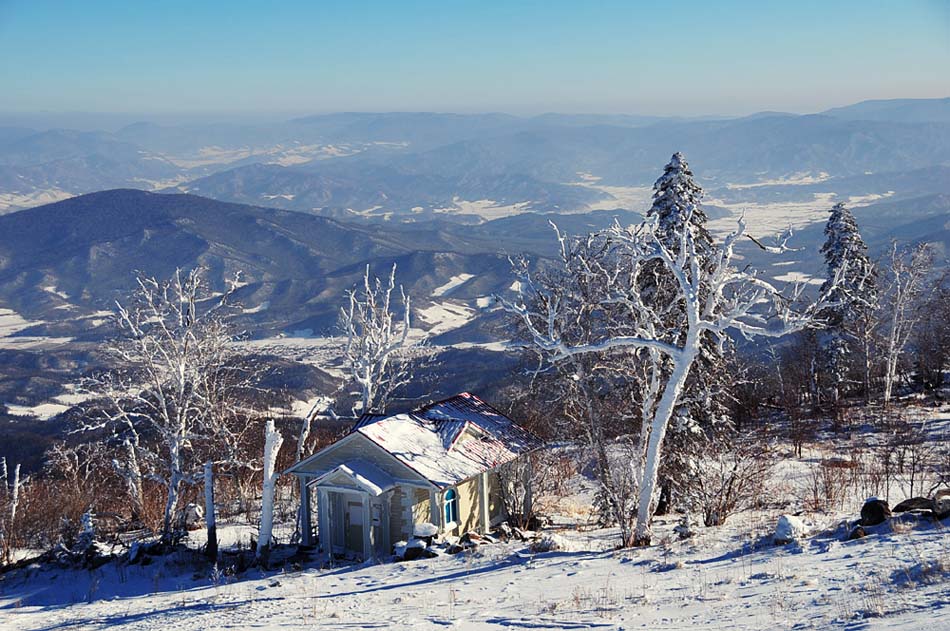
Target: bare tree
[(712, 300), (907, 276), (376, 342), (10, 496), (175, 389)]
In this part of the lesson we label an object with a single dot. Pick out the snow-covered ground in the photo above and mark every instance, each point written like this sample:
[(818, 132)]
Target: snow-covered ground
[(11, 200), (456, 281), (12, 323), (728, 577), (633, 198), (767, 218)]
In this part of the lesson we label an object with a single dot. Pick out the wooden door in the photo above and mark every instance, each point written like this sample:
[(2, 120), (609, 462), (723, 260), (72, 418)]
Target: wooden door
[(353, 524)]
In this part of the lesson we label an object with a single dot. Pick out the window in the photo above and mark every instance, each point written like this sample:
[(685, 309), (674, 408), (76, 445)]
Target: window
[(451, 507)]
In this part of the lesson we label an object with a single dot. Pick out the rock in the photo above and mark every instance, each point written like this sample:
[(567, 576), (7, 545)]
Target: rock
[(686, 528), (914, 503), (547, 543), (472, 537), (191, 516), (503, 531), (874, 512), (857, 533), (941, 504), (788, 529), (412, 549), (525, 535), (414, 553), (425, 530)]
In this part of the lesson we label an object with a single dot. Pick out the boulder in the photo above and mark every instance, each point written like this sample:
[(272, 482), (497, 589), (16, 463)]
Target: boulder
[(472, 537), (874, 512), (425, 531), (503, 531), (191, 516), (857, 533), (914, 503), (941, 504), (686, 528), (412, 550), (525, 535), (414, 553), (788, 529)]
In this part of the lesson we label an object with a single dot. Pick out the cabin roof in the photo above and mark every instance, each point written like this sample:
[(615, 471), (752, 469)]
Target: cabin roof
[(449, 441)]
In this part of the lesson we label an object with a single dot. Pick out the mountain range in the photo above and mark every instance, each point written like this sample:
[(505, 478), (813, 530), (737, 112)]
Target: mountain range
[(412, 166), (302, 207)]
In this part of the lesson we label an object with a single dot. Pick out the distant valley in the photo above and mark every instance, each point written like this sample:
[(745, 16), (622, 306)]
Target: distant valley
[(301, 207)]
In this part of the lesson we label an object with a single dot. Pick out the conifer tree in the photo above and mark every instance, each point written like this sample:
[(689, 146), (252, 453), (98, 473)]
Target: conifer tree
[(853, 300)]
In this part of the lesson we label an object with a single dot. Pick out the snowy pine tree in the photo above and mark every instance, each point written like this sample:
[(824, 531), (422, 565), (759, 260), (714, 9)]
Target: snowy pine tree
[(853, 299), (676, 204)]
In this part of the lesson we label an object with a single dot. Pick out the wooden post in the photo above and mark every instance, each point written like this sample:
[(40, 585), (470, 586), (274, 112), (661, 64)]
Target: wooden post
[(368, 551), (527, 500), (324, 522), (483, 501), (306, 530), (436, 514)]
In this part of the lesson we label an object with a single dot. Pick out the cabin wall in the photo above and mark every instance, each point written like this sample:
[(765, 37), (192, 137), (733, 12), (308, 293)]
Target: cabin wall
[(419, 510), (468, 494), (402, 511), (496, 507)]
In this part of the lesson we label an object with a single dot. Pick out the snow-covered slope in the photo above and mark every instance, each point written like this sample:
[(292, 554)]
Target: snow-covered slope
[(726, 579)]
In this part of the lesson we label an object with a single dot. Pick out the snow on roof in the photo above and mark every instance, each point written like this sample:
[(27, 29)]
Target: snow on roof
[(364, 473), (428, 440)]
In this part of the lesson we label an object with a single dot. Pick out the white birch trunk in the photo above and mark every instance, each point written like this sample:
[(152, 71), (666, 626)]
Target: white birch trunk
[(661, 420), (174, 487), (893, 350), (272, 443), (133, 480), (14, 501)]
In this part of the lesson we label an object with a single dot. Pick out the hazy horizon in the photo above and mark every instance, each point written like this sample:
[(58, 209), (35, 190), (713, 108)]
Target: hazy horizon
[(176, 59)]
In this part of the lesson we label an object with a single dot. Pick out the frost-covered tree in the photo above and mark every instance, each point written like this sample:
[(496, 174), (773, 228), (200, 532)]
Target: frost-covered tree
[(677, 207), (906, 284), (10, 487), (702, 417), (712, 296), (175, 395), (932, 337), (848, 322), (377, 341)]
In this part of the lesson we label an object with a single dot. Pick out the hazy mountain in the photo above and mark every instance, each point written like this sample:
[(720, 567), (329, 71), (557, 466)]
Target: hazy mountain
[(362, 186), (896, 110), (80, 255), (397, 162)]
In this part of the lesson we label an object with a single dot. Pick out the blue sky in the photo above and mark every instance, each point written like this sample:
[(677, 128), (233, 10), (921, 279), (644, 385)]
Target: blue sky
[(522, 57)]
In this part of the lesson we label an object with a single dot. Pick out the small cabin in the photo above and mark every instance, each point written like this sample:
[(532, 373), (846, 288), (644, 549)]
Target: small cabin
[(400, 474)]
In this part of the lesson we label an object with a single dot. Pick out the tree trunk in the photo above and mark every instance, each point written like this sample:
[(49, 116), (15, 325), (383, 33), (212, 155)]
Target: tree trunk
[(661, 420), (211, 550), (272, 442), (133, 476), (174, 487)]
